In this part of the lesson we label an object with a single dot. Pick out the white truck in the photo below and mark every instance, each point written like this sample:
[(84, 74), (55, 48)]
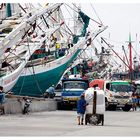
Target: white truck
[(117, 93)]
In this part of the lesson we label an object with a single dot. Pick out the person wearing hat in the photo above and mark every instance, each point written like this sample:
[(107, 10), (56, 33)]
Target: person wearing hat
[(81, 108)]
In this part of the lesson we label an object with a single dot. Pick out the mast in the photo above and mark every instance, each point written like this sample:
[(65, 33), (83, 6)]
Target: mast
[(135, 58), (114, 51), (130, 53), (125, 55), (130, 56), (74, 17)]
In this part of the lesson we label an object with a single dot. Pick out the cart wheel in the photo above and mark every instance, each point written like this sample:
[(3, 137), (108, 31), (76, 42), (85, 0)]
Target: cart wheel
[(102, 120), (86, 119)]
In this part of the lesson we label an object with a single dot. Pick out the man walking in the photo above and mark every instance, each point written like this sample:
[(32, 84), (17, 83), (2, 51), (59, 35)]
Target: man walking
[(81, 107)]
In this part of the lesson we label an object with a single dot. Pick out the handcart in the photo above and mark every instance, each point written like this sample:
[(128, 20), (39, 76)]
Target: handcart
[(96, 106)]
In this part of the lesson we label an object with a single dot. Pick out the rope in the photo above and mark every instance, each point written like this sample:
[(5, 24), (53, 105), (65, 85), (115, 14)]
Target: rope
[(22, 8), (34, 71), (135, 51), (114, 41), (71, 8), (96, 13), (125, 55), (62, 18), (36, 81), (123, 44), (88, 16), (114, 51), (70, 32), (68, 11), (22, 85), (87, 46)]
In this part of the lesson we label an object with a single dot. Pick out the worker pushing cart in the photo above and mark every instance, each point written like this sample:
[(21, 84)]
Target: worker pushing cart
[(96, 106)]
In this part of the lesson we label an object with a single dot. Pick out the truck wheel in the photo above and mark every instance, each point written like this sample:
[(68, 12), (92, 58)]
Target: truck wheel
[(2, 111), (59, 106), (112, 107), (126, 108), (87, 116)]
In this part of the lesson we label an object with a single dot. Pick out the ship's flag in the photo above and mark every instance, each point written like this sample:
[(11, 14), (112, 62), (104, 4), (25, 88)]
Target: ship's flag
[(85, 20)]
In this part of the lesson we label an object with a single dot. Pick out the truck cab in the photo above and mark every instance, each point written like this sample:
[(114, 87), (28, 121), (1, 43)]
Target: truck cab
[(117, 93), (72, 88)]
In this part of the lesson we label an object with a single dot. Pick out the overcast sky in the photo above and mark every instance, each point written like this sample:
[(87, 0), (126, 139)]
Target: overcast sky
[(120, 19)]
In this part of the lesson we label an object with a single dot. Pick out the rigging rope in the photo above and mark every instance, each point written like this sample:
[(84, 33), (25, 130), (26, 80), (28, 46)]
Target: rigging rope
[(26, 32), (135, 51), (122, 44), (89, 17), (96, 13), (22, 84), (114, 51), (34, 71), (68, 11)]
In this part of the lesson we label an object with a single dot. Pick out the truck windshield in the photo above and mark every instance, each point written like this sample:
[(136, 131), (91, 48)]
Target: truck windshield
[(120, 88), (75, 85)]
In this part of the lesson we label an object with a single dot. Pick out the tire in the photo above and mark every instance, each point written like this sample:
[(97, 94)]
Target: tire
[(59, 106), (102, 123), (102, 120), (26, 110), (112, 107), (1, 112), (94, 120), (126, 108)]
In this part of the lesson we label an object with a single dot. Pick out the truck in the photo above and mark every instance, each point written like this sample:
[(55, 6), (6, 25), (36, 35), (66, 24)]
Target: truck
[(72, 88), (118, 93)]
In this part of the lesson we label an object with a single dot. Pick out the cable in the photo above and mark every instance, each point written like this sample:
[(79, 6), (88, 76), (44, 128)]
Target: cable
[(22, 85), (96, 13)]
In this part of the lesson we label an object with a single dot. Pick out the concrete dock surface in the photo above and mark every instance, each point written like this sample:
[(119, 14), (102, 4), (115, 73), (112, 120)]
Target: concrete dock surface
[(64, 123)]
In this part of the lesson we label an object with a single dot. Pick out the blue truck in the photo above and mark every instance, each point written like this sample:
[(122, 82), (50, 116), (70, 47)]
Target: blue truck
[(71, 90)]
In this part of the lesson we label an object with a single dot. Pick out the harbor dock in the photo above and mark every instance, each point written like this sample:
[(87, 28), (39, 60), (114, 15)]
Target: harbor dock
[(14, 104)]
